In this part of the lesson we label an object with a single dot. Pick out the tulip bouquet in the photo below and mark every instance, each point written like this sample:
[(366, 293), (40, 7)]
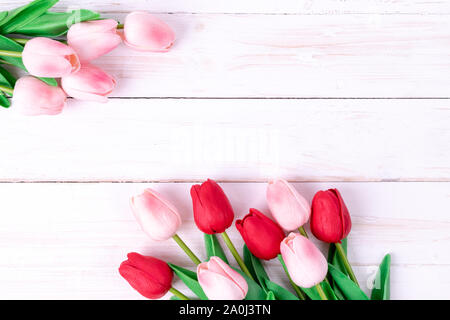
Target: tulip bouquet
[(57, 49), (311, 275)]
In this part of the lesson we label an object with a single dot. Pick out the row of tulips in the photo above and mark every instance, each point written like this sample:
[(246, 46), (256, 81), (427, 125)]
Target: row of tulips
[(309, 272), (71, 62)]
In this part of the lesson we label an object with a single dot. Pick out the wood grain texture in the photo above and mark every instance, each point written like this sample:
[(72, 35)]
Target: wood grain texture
[(226, 55), (66, 240), (287, 56), (261, 6), (237, 140)]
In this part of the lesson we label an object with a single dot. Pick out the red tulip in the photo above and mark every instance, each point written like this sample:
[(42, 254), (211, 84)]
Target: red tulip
[(212, 209), (261, 235), (149, 276), (330, 220)]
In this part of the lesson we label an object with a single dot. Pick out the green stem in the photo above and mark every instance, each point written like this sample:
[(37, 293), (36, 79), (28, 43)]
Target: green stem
[(347, 265), (14, 54), (20, 40), (7, 90), (6, 62), (235, 254), (178, 294), (303, 232), (186, 249), (321, 293), (120, 26)]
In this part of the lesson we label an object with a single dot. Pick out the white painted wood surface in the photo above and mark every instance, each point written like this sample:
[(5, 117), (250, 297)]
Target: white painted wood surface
[(69, 239), (237, 140), (263, 6), (62, 238), (227, 55)]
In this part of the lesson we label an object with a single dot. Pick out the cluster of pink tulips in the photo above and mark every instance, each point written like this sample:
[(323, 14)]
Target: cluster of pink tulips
[(309, 272), (72, 62)]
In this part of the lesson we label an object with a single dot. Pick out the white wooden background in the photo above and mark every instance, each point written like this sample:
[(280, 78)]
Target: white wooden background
[(349, 94)]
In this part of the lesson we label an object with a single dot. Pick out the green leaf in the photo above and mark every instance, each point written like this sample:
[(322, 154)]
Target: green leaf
[(56, 24), (256, 266), (6, 80), (3, 16), (381, 289), (10, 45), (328, 291), (255, 292), (50, 81), (279, 292), (213, 247), (190, 280), (248, 261), (270, 296), (174, 298), (4, 101), (348, 288), (335, 259), (21, 16)]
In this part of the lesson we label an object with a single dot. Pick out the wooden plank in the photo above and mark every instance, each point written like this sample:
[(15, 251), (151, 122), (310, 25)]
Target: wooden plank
[(332, 7), (66, 240), (226, 55), (233, 140), (285, 56)]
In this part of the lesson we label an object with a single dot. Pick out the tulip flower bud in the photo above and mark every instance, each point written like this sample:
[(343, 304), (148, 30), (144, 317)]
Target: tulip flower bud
[(145, 32), (220, 282), (330, 220), (306, 264), (49, 58), (212, 209), (158, 218), (261, 235), (90, 84), (289, 209), (151, 277), (93, 39), (34, 97)]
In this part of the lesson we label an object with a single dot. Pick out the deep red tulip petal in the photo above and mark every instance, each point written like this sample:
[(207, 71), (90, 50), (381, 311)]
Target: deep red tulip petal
[(261, 235), (326, 222), (212, 209), (345, 216), (151, 277)]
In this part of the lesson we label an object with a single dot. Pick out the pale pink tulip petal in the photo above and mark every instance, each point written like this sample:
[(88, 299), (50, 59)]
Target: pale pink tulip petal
[(93, 39), (220, 282), (217, 287), (145, 32), (230, 273), (158, 220), (90, 83), (306, 264), (45, 57), (287, 206), (34, 97)]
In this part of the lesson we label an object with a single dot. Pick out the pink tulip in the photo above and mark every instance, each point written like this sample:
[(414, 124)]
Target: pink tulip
[(145, 32), (220, 282), (288, 207), (33, 97), (306, 264), (93, 39), (49, 58), (90, 83), (158, 218)]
